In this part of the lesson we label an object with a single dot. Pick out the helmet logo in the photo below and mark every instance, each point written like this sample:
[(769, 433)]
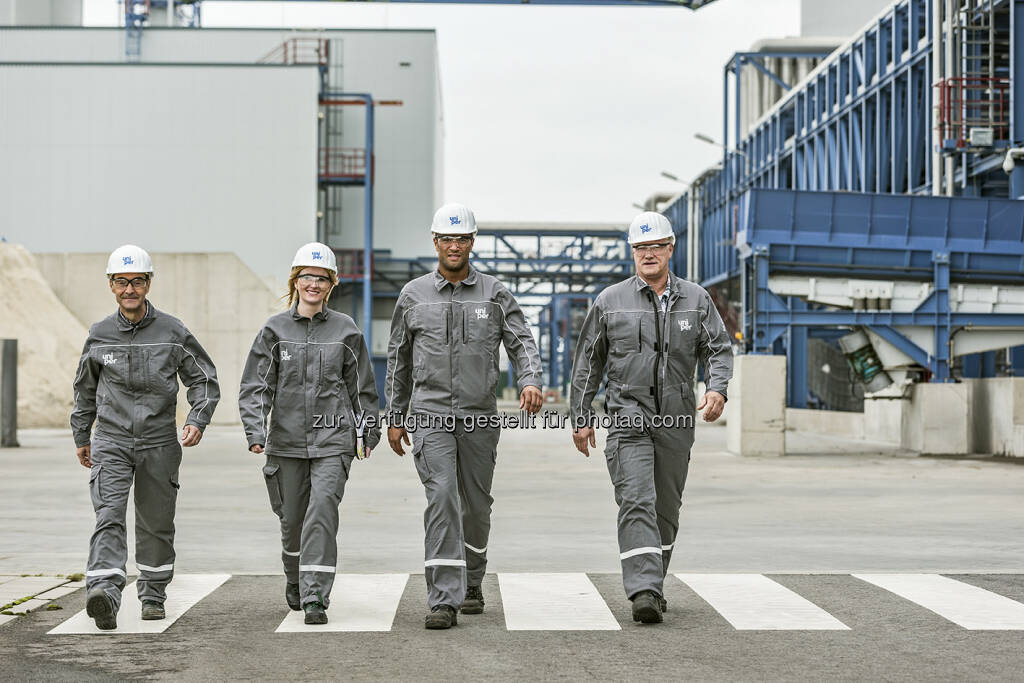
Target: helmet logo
[(317, 256), (645, 228), (127, 260), (455, 220)]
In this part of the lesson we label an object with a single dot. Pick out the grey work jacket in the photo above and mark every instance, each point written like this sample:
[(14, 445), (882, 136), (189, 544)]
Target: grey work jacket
[(308, 386), (650, 357), (127, 380), (443, 351)]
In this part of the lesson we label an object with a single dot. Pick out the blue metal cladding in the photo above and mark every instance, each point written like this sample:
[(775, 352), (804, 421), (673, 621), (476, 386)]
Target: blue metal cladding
[(886, 233), (677, 214), (936, 239)]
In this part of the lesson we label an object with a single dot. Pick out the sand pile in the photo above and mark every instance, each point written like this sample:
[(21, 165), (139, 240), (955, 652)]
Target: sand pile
[(49, 338)]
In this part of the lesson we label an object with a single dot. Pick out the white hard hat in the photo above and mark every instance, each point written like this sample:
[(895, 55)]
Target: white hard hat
[(454, 219), (317, 255), (129, 259), (650, 226)]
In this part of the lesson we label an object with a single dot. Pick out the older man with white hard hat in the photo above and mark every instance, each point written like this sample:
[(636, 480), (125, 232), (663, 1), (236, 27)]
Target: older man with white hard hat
[(127, 385), (442, 373), (649, 332)]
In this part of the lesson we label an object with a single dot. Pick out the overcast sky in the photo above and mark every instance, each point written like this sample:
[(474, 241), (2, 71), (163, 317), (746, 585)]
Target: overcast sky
[(557, 113)]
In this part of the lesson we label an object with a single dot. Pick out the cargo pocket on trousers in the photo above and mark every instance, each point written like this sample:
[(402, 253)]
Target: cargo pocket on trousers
[(270, 471), (95, 490), (611, 456), (420, 461)]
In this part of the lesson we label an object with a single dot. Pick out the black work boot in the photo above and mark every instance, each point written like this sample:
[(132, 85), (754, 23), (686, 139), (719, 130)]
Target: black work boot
[(315, 613), (100, 607), (474, 602), (291, 594), (664, 604), (152, 610), (441, 616), (647, 608)]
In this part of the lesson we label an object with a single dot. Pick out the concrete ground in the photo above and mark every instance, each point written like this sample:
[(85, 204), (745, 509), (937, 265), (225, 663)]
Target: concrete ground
[(836, 505), (809, 519)]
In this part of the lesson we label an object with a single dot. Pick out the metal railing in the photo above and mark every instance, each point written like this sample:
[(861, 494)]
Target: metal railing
[(298, 51), (976, 103), (342, 163)]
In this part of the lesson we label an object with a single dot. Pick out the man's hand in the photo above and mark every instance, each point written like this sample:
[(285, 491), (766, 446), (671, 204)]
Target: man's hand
[(531, 399), (581, 437), (256, 448), (190, 435), (84, 454), (715, 403), (397, 435)]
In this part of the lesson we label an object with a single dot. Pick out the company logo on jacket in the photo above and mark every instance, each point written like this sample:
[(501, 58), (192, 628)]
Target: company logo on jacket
[(455, 220), (285, 355), (481, 314), (108, 359), (684, 324)]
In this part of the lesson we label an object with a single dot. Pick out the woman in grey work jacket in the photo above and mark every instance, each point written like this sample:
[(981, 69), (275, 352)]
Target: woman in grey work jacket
[(308, 399)]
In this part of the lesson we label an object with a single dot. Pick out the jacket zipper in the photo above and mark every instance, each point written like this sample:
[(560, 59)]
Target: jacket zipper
[(658, 342)]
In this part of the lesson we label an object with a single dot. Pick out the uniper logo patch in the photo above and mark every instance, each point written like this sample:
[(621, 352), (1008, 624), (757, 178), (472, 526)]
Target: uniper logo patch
[(285, 355), (455, 220), (317, 256), (127, 260), (645, 228), (108, 359), (481, 314), (684, 324)]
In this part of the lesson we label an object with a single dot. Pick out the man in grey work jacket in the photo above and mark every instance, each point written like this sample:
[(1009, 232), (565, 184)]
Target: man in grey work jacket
[(648, 333), (127, 383), (442, 374)]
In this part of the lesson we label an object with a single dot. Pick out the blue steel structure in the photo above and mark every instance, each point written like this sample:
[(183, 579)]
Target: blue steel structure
[(829, 182)]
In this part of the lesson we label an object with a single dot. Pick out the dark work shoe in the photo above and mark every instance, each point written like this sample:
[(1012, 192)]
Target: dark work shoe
[(315, 613), (441, 616), (647, 608), (474, 602), (100, 607), (664, 604), (291, 594), (152, 610)]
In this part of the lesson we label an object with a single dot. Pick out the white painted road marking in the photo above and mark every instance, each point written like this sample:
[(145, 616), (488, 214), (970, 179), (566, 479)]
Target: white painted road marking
[(553, 602), (755, 602), (182, 594), (359, 602), (963, 604)]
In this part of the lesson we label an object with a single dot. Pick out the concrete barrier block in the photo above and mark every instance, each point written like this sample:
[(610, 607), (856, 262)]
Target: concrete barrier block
[(757, 406)]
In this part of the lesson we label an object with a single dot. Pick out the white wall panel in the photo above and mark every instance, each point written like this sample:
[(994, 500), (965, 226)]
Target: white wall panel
[(176, 159), (409, 139)]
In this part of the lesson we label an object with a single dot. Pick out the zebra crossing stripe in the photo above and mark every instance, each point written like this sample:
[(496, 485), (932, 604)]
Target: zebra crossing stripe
[(553, 602), (755, 602), (963, 604), (359, 602), (182, 594)]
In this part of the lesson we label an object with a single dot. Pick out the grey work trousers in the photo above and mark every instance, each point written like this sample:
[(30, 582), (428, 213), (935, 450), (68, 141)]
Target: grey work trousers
[(305, 495), (648, 470), (456, 469), (154, 470)]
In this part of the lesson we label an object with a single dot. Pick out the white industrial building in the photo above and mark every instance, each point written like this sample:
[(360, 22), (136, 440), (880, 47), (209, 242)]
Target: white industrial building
[(210, 141)]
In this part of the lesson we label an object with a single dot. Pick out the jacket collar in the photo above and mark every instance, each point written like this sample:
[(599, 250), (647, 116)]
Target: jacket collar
[(319, 315), (673, 288), (125, 325), (440, 281)]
